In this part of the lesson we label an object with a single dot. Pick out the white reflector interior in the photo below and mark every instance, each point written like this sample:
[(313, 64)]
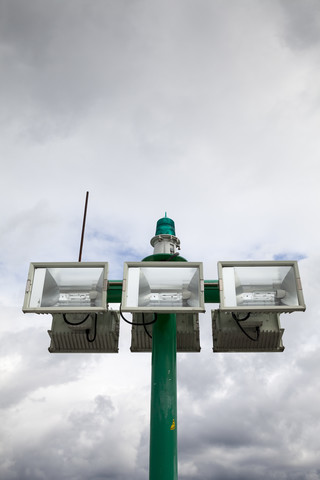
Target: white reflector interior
[(259, 286), (67, 287), (163, 287)]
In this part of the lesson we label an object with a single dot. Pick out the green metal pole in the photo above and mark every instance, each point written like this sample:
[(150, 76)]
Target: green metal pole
[(163, 418)]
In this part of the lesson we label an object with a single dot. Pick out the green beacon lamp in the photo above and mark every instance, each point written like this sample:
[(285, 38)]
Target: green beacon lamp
[(165, 240), (165, 226)]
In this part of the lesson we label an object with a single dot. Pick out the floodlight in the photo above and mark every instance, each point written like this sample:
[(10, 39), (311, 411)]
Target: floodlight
[(66, 287), (81, 333), (163, 287), (260, 286), (257, 332), (187, 332)]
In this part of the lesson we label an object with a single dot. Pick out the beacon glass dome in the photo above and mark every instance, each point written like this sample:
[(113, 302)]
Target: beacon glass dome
[(164, 287), (260, 286), (66, 287)]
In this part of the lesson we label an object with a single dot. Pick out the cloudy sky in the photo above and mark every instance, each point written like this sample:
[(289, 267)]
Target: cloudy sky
[(208, 110)]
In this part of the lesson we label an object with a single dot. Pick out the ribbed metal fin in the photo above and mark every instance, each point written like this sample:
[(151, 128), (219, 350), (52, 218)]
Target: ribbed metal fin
[(228, 337), (188, 337), (103, 336)]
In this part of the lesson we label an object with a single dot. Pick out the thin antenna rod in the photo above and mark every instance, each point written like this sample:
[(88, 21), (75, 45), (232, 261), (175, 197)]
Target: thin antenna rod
[(83, 225)]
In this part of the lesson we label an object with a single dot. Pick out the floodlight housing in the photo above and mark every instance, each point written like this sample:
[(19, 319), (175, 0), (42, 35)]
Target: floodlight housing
[(163, 287), (260, 332), (252, 286), (60, 287), (188, 336), (81, 333)]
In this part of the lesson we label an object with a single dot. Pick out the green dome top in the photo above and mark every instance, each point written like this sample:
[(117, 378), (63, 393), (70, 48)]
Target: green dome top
[(165, 226)]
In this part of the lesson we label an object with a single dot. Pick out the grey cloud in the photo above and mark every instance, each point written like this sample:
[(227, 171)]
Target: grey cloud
[(301, 23), (81, 445), (59, 59), (35, 368), (255, 420), (103, 409), (65, 61)]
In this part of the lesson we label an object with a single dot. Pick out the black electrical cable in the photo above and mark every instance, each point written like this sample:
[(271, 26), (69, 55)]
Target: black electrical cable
[(95, 330), (241, 319), (144, 324), (243, 330), (75, 323), (136, 323)]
